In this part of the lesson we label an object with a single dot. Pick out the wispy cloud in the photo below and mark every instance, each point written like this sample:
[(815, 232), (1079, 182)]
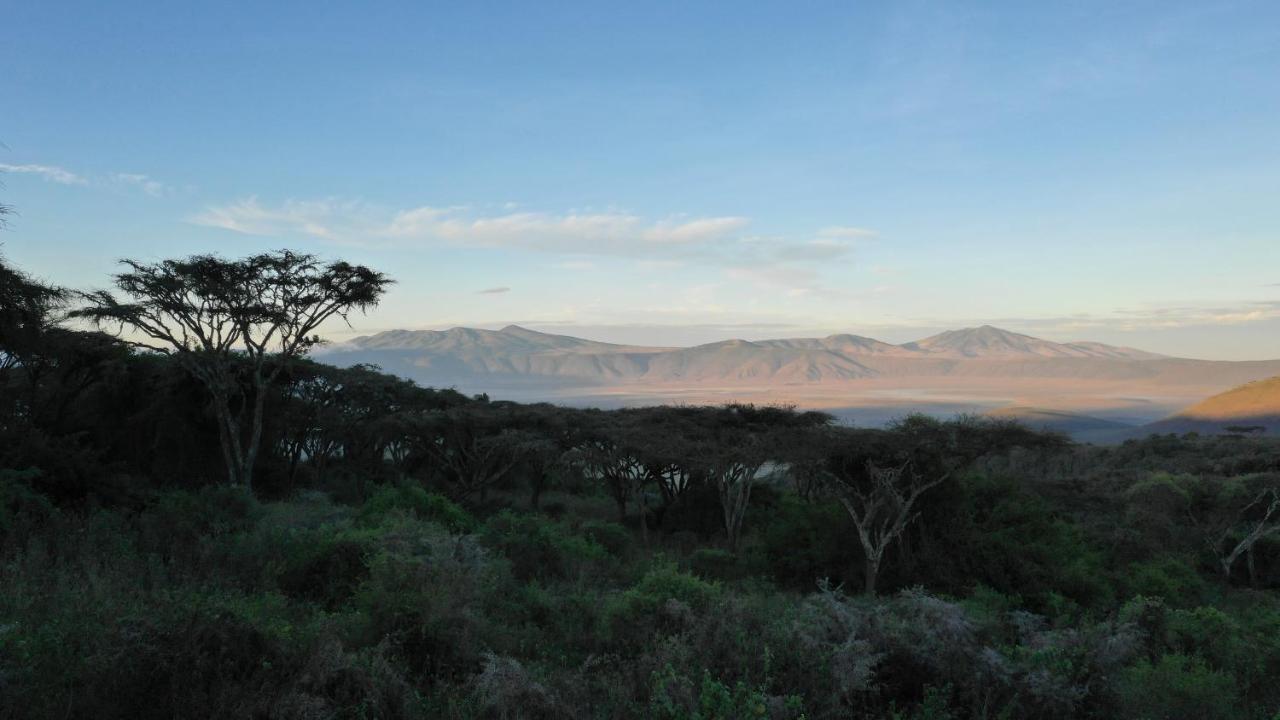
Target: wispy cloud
[(576, 234), (596, 233), (146, 183), (583, 233), (327, 219), (791, 265), (494, 291), (52, 173), (63, 176)]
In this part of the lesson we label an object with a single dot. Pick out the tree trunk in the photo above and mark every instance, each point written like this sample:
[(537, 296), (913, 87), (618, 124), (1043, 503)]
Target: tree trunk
[(535, 494), (872, 570), (222, 413), (644, 520), (255, 432)]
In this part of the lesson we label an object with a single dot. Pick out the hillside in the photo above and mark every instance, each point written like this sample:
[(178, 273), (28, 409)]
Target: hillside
[(1254, 404)]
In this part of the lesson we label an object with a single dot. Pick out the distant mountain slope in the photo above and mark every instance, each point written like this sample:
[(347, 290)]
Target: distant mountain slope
[(519, 356), (1084, 428), (990, 342), (509, 339), (1254, 404)]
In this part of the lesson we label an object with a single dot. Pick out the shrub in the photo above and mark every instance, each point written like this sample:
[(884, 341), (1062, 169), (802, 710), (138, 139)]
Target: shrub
[(674, 697), (179, 521), (611, 536), (1168, 577), (664, 600), (1177, 686), (418, 502), (540, 548), (505, 689), (323, 569), (22, 509), (714, 564), (801, 542), (423, 596)]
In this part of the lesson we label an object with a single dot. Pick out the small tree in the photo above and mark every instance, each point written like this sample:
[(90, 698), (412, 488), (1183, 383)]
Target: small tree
[(881, 504), (221, 319)]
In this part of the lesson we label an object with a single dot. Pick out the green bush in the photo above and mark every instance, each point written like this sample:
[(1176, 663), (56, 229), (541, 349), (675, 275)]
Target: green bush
[(1172, 578), (179, 522), (802, 542), (1012, 541), (540, 548), (426, 609), (714, 564), (674, 697), (1177, 687), (611, 536), (665, 599), (418, 502)]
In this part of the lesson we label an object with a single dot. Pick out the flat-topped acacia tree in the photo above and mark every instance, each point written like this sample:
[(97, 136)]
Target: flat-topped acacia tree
[(221, 319)]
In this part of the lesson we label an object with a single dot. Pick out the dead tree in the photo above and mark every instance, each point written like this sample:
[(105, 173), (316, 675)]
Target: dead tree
[(1269, 524), (882, 506)]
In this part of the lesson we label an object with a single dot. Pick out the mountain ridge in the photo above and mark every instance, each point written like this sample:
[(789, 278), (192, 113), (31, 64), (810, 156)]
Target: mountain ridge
[(514, 354), (975, 342)]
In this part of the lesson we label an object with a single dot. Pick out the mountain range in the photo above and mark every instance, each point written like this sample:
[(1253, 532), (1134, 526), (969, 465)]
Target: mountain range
[(1091, 390), (463, 356)]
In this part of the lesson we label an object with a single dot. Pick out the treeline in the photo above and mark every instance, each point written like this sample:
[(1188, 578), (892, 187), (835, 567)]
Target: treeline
[(197, 520)]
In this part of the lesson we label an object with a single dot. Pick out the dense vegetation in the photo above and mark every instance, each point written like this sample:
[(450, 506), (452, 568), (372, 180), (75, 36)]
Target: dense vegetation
[(407, 552)]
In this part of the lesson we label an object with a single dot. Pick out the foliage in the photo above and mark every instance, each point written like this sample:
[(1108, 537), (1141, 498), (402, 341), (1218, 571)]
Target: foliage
[(1177, 686)]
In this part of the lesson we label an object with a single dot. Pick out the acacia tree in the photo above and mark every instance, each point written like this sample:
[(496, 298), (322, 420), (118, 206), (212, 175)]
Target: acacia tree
[(738, 441), (881, 504), (807, 452), (28, 311), (472, 447), (613, 464), (223, 319)]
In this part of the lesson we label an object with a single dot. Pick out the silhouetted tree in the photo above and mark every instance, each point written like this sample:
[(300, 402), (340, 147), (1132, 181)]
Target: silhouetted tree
[(472, 447), (604, 458), (207, 312)]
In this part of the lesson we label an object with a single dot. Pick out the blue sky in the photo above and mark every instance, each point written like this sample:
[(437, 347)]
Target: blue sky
[(676, 173)]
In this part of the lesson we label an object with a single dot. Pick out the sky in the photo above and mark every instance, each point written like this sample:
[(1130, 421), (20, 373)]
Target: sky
[(675, 173)]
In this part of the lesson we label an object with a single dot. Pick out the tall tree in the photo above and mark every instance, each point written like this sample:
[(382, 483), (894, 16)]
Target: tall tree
[(881, 502), (224, 319)]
